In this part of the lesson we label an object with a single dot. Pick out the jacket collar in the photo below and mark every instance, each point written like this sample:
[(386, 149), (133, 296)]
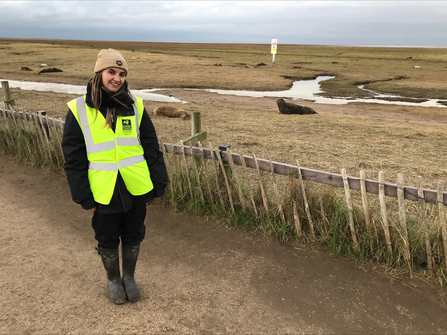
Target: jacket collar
[(108, 101)]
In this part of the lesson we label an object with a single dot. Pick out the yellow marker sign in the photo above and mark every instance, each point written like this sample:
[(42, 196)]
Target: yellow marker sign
[(274, 46)]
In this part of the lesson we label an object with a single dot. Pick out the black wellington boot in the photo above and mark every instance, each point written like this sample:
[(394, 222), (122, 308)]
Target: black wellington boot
[(111, 262), (130, 256)]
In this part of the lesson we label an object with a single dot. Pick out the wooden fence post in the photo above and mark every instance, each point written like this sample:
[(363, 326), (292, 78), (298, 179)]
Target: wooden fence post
[(42, 143), (402, 217), (261, 184), (281, 212), (205, 172), (196, 171), (187, 172), (306, 203), (371, 231), (216, 172), (348, 201), (7, 93), (42, 116), (442, 219), (385, 226), (236, 179), (425, 225), (197, 135), (177, 165), (196, 124), (230, 196), (244, 165), (168, 166), (297, 221)]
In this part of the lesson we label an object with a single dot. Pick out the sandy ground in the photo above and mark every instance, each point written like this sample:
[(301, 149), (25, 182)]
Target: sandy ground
[(196, 277)]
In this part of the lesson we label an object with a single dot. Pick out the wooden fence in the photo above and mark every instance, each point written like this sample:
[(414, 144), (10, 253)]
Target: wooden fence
[(225, 163), (322, 177)]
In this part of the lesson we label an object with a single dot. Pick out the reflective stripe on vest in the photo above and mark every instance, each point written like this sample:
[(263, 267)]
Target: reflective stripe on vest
[(113, 166), (109, 152), (94, 148)]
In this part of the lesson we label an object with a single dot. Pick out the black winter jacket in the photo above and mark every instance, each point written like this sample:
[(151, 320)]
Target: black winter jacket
[(76, 162)]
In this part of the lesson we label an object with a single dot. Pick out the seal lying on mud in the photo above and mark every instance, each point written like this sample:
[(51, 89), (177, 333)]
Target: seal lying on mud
[(171, 111), (289, 108), (50, 69)]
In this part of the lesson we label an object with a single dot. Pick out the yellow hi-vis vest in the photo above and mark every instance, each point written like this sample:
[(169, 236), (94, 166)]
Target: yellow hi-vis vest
[(109, 152)]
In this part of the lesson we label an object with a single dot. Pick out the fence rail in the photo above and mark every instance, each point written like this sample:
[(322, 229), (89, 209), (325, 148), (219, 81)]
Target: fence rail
[(322, 177), (40, 118)]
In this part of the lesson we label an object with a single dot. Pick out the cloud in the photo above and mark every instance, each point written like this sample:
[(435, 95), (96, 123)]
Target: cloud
[(295, 22)]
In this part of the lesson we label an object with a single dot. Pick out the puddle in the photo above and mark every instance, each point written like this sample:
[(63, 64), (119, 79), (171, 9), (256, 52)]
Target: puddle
[(303, 89), (81, 90)]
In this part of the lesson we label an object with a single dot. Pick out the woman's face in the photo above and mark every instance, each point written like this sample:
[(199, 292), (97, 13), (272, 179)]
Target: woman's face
[(113, 78)]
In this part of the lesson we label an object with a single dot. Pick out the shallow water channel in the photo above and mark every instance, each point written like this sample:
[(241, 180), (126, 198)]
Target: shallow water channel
[(81, 90), (309, 90), (303, 89)]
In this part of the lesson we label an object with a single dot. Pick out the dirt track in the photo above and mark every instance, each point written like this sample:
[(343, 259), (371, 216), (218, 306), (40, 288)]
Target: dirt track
[(196, 277)]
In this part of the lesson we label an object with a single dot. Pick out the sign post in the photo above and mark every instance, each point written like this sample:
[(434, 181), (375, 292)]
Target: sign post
[(274, 47)]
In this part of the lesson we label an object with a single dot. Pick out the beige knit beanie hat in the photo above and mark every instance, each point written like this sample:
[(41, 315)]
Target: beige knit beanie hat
[(110, 58)]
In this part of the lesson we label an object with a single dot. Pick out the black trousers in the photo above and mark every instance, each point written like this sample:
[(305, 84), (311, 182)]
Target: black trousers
[(129, 226)]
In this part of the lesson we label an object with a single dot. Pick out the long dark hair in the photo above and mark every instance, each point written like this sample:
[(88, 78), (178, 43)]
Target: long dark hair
[(98, 90)]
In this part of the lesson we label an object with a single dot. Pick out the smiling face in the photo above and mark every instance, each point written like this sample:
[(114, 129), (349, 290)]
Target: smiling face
[(113, 78)]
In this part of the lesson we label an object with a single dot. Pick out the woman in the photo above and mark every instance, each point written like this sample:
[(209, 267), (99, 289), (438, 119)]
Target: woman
[(114, 167)]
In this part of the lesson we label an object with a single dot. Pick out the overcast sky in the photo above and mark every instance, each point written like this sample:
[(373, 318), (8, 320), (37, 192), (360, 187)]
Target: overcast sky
[(401, 23)]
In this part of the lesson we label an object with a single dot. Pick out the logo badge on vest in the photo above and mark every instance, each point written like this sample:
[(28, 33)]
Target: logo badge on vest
[(127, 126)]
